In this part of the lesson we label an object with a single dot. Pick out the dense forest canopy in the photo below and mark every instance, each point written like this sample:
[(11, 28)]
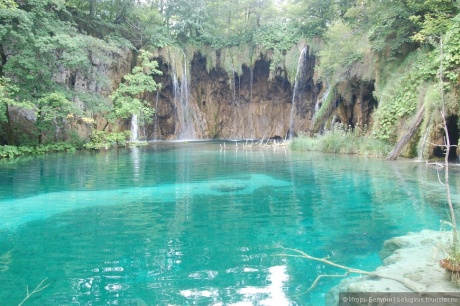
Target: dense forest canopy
[(47, 45)]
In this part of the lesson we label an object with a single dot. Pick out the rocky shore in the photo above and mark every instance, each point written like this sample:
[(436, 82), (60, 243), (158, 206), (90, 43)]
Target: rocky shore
[(414, 257)]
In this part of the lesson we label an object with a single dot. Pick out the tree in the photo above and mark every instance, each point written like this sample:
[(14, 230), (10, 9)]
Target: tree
[(342, 57), (8, 4), (146, 27), (52, 110), (128, 98), (7, 100), (41, 53), (314, 16), (186, 18), (392, 24)]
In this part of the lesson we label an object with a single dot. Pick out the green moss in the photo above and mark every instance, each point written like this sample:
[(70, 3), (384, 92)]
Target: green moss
[(291, 60), (399, 94), (233, 58), (325, 110)]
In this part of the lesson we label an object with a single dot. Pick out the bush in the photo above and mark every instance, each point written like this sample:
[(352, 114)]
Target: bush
[(304, 143), (14, 151), (342, 139), (104, 139)]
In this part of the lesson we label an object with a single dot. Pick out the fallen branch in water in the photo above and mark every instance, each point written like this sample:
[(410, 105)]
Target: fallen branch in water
[(415, 287), (37, 289)]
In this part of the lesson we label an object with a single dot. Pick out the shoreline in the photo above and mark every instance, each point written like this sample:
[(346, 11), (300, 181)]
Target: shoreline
[(414, 256)]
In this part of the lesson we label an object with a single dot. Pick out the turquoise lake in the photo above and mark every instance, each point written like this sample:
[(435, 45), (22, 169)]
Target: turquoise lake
[(188, 223)]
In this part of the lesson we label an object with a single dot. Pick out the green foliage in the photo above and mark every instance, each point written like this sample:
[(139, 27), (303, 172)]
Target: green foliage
[(8, 4), (7, 95), (279, 37), (304, 143), (76, 140), (45, 51), (52, 110), (342, 139), (127, 98), (175, 57), (105, 140), (15, 151), (54, 106), (32, 36), (232, 23), (233, 58), (433, 18), (211, 57), (325, 111), (451, 60), (313, 17), (291, 60), (46, 44), (399, 103), (10, 151), (401, 93), (146, 27), (344, 55), (386, 23), (186, 18)]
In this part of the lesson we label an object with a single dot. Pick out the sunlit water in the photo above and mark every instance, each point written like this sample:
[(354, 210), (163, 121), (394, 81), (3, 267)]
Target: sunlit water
[(189, 223)]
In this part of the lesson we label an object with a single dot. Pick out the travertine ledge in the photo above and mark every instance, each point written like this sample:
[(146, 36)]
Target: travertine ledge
[(414, 256)]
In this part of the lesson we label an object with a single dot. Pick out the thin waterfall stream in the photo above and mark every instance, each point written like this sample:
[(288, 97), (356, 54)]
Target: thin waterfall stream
[(134, 128), (185, 111), (295, 95), (155, 117)]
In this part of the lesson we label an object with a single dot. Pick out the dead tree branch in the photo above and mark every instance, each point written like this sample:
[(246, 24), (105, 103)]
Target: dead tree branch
[(37, 289), (411, 285), (408, 136)]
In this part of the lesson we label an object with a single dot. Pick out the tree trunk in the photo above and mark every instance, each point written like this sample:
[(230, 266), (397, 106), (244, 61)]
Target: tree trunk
[(39, 122), (92, 7), (408, 136), (9, 128)]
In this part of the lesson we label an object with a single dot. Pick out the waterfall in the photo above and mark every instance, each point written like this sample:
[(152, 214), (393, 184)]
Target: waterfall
[(144, 133), (235, 102), (134, 128), (155, 117), (185, 112), (424, 140), (323, 100), (250, 111), (324, 108), (240, 118), (234, 85), (300, 65), (251, 82), (317, 106)]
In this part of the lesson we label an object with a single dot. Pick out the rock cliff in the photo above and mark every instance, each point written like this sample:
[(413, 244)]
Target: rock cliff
[(254, 104), (198, 102)]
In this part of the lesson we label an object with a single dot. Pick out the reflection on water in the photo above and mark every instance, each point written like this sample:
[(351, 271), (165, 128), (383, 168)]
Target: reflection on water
[(271, 294), (183, 223)]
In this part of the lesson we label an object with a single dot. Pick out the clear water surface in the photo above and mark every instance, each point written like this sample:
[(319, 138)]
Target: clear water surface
[(189, 223)]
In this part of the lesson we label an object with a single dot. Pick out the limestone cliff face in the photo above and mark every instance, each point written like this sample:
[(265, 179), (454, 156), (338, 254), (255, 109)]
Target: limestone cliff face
[(250, 105), (255, 104), (195, 102), (96, 82), (357, 107), (111, 70)]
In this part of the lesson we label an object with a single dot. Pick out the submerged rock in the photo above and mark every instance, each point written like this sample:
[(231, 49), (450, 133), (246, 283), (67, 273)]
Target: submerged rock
[(223, 187)]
